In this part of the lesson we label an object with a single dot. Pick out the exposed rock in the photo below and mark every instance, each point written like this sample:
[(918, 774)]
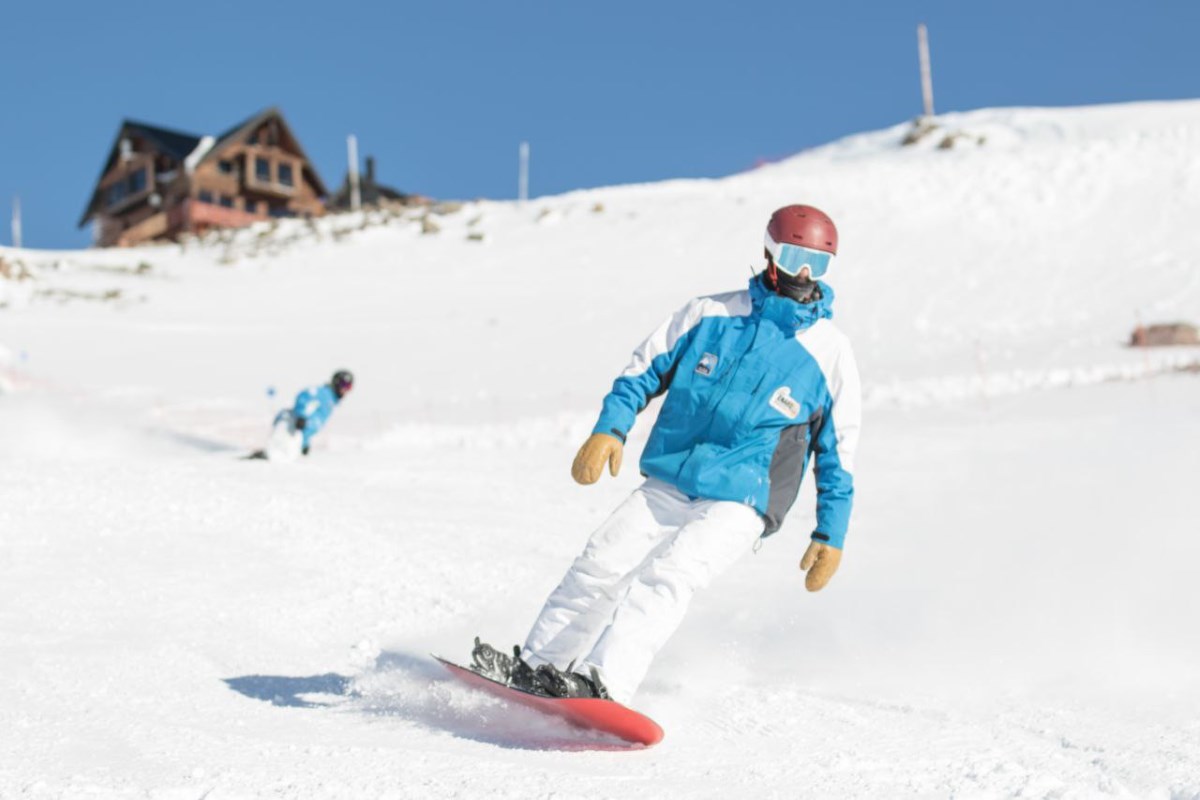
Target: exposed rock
[(924, 127), (954, 137), (14, 271), (1165, 335), (921, 127)]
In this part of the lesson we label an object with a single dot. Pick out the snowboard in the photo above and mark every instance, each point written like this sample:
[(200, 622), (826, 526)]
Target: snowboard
[(587, 713)]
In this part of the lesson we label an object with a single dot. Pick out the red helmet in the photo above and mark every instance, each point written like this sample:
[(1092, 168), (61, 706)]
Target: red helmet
[(803, 225)]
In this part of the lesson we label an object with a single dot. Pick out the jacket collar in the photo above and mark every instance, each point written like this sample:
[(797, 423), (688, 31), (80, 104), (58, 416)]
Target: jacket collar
[(787, 313)]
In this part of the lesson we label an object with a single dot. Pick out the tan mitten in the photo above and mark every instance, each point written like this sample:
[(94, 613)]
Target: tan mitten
[(598, 450), (820, 562)]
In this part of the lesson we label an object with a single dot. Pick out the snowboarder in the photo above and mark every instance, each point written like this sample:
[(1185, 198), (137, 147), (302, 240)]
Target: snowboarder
[(757, 383), (294, 428)]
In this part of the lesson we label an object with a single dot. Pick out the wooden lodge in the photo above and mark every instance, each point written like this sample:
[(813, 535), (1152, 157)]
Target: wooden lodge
[(157, 183)]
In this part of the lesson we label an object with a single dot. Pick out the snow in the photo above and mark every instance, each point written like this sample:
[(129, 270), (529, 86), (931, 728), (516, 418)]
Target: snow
[(201, 150), (1012, 618)]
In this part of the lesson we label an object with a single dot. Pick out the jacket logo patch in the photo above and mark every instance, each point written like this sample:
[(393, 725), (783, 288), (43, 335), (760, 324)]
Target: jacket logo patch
[(708, 362), (783, 402)]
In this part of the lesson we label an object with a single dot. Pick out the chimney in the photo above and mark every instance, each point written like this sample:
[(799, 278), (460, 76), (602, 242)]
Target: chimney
[(370, 170)]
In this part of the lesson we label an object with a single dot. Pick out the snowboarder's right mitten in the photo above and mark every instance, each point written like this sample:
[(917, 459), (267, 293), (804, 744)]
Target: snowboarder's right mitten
[(820, 562), (598, 450)]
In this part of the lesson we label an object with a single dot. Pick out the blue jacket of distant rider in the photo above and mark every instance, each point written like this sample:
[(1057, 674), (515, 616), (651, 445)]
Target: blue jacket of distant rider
[(314, 405), (757, 385)]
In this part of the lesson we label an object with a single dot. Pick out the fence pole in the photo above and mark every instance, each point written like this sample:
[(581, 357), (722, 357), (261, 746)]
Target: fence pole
[(926, 72), (523, 173)]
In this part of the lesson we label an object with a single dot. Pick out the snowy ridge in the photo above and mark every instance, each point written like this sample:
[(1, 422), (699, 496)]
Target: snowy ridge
[(992, 253)]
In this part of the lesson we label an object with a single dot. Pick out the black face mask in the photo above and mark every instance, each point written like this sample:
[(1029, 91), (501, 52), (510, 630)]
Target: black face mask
[(802, 291)]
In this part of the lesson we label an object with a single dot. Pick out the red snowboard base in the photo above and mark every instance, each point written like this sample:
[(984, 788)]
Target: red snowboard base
[(589, 713)]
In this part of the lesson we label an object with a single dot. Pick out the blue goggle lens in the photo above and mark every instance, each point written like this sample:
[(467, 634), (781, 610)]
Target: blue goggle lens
[(791, 258)]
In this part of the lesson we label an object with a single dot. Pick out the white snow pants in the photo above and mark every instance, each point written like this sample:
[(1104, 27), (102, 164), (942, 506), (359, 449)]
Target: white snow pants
[(626, 594)]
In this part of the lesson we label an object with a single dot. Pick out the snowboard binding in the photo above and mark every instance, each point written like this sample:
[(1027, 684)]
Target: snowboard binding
[(490, 662), (502, 668)]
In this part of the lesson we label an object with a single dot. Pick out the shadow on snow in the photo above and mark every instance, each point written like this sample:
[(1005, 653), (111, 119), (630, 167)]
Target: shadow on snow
[(280, 690)]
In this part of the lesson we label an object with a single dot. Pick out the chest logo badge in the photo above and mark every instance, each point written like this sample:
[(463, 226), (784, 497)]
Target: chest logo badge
[(783, 402), (708, 362)]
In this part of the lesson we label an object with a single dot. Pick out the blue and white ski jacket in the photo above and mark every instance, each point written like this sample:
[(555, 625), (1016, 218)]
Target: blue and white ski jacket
[(314, 405), (757, 384)]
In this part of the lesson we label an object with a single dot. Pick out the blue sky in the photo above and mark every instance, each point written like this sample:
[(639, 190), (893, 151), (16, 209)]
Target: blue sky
[(442, 92)]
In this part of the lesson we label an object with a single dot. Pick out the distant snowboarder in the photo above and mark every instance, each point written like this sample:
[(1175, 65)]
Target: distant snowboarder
[(758, 382), (293, 428)]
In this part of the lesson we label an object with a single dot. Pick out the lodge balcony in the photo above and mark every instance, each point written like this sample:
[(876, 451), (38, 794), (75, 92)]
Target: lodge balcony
[(196, 216)]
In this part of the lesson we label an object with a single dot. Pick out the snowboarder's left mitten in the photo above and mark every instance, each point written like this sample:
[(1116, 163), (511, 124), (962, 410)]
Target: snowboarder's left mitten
[(598, 450), (820, 562)]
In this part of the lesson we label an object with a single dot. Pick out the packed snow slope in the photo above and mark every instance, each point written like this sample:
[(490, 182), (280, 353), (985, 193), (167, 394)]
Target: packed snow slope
[(1014, 615)]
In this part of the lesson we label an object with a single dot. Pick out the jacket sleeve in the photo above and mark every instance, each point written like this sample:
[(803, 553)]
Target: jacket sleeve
[(649, 372), (833, 448)]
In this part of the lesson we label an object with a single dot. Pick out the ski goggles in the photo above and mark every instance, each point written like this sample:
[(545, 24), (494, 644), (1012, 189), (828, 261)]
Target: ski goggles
[(791, 258)]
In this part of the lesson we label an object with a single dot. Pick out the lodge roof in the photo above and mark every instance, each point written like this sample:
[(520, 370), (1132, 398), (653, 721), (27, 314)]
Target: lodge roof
[(176, 144)]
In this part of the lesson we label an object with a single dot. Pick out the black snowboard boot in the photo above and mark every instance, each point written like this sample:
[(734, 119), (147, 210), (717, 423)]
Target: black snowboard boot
[(522, 676), (568, 683), (490, 662)]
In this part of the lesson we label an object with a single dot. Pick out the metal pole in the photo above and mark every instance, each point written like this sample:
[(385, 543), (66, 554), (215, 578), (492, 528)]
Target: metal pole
[(16, 221), (352, 154), (523, 174), (926, 72)]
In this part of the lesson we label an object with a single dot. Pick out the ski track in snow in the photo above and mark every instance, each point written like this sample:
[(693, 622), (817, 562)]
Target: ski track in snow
[(1013, 617)]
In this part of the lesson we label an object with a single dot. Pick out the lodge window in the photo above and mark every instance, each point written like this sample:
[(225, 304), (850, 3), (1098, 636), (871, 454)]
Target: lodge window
[(262, 170), (205, 196), (225, 167), (115, 193), (252, 206), (137, 181), (285, 174), (225, 201), (132, 184)]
